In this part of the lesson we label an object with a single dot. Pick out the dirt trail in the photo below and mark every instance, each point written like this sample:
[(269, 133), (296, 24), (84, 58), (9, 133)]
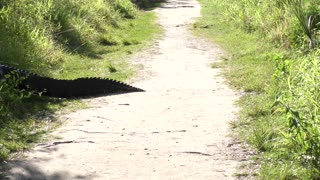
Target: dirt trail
[(177, 129)]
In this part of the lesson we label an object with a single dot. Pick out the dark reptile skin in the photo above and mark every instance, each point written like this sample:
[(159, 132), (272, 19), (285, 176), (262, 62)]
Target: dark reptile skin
[(76, 88)]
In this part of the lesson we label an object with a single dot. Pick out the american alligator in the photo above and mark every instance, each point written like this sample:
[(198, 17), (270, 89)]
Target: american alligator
[(81, 87)]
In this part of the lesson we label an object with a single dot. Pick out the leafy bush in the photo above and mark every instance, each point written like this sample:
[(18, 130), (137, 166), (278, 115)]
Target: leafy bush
[(308, 19), (11, 108), (11, 98), (301, 104), (290, 23)]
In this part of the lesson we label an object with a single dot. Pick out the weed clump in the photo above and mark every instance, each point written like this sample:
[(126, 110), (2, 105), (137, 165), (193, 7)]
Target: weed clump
[(288, 23)]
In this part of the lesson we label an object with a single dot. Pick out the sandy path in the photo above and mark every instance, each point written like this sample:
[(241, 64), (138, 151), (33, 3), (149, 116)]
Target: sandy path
[(177, 129)]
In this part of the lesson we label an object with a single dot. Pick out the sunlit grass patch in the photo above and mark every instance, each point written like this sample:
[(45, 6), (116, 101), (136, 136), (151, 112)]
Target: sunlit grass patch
[(120, 43), (279, 113), (64, 40)]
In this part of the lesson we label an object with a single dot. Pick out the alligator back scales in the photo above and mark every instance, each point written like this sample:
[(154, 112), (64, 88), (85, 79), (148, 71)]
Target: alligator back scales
[(81, 87)]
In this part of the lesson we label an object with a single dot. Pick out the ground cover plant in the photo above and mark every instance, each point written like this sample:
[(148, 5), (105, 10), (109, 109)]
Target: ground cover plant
[(272, 54), (62, 39)]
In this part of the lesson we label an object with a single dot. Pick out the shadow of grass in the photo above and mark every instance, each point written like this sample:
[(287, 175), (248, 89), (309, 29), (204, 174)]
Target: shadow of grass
[(24, 171), (26, 122), (148, 5)]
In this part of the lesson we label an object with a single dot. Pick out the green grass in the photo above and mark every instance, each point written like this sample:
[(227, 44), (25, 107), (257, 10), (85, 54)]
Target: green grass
[(257, 64), (247, 53), (31, 123), (110, 58), (94, 47)]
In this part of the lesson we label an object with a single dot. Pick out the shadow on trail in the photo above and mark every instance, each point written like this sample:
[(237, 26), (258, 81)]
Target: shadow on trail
[(32, 172), (148, 5)]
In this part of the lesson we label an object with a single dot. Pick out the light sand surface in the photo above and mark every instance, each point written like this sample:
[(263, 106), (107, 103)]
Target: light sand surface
[(177, 129)]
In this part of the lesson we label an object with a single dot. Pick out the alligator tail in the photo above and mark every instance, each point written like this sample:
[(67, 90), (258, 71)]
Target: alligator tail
[(81, 87)]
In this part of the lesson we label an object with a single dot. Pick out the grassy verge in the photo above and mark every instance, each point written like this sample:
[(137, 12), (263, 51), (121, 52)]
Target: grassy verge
[(109, 60), (96, 41), (278, 115)]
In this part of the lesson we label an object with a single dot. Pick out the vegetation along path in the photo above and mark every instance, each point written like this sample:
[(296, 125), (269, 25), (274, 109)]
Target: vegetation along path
[(177, 129)]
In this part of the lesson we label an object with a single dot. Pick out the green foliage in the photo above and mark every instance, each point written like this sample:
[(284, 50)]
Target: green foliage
[(283, 67), (300, 105), (112, 50), (22, 116), (260, 137), (289, 23), (270, 57), (35, 34), (11, 107), (308, 22), (276, 170), (11, 98), (22, 41), (126, 8), (62, 39)]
